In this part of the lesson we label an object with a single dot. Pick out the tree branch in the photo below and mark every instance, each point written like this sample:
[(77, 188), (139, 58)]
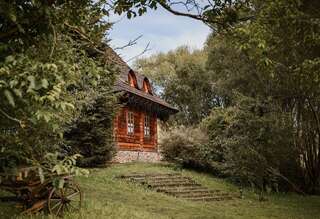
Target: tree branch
[(10, 117), (314, 114), (144, 51), (8, 33), (194, 16), (54, 40), (85, 37), (277, 173), (130, 43)]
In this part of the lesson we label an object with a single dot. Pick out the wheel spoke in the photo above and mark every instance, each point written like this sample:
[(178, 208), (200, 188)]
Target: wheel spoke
[(56, 205), (55, 199), (59, 209), (66, 207), (71, 205), (65, 199), (62, 193), (72, 195)]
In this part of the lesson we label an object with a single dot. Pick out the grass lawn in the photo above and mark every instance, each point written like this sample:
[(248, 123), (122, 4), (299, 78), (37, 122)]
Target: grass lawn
[(107, 197)]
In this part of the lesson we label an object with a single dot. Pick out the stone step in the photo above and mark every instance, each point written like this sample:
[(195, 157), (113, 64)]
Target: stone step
[(149, 175), (170, 181), (164, 180), (180, 188), (153, 180), (200, 191), (208, 198), (168, 178), (176, 185), (199, 195), (186, 189), (160, 177), (172, 184)]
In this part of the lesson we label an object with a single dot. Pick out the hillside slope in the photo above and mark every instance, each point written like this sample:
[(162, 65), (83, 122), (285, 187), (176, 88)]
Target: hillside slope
[(109, 197)]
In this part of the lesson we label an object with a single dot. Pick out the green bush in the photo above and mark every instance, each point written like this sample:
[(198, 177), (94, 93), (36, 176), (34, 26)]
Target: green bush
[(250, 143), (254, 142), (187, 146), (92, 134)]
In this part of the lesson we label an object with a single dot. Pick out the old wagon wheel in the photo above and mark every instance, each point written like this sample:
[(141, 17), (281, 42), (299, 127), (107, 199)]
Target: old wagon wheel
[(69, 198)]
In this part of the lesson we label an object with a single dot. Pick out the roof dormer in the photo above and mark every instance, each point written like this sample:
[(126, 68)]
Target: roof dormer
[(146, 86), (132, 79)]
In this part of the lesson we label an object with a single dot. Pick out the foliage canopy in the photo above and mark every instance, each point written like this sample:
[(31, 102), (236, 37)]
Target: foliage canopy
[(181, 79), (269, 63), (51, 60)]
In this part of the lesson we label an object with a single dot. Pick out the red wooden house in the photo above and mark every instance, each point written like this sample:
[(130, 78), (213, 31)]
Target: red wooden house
[(135, 126)]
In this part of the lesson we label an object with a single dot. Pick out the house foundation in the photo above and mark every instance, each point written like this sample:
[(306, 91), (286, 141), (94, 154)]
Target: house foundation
[(139, 156)]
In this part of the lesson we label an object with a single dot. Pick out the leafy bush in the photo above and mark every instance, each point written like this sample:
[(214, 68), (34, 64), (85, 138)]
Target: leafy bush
[(254, 143), (92, 134), (187, 146), (250, 143)]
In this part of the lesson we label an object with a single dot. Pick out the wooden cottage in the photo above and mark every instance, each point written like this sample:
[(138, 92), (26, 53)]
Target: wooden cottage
[(135, 126)]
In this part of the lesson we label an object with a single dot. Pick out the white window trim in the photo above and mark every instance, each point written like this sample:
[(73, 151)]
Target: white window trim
[(130, 123), (147, 126)]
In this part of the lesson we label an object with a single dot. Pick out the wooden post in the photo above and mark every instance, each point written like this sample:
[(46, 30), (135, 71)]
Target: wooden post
[(141, 129), (115, 128)]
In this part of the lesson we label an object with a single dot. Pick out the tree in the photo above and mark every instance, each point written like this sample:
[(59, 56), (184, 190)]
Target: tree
[(273, 57), (215, 13), (278, 59), (181, 79), (91, 135), (250, 140), (51, 59)]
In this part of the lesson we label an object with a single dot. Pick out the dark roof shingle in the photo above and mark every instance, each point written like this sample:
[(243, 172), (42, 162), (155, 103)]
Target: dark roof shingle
[(122, 83)]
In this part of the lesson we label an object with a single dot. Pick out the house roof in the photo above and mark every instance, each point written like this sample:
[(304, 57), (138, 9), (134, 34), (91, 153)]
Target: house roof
[(121, 86), (122, 83)]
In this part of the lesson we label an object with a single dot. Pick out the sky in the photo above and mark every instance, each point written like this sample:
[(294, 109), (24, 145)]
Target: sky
[(161, 29)]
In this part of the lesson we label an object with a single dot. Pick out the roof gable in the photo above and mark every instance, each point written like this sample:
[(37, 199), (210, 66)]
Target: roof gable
[(124, 69), (123, 83)]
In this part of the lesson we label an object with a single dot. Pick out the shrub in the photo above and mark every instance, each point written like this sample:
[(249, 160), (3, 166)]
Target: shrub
[(92, 134), (250, 143), (187, 146), (254, 142)]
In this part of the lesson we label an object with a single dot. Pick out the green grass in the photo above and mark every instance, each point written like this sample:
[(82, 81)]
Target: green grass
[(107, 197)]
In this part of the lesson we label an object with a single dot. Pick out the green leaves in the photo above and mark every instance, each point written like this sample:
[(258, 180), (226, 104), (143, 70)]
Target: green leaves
[(9, 97), (216, 13), (46, 116), (183, 81), (44, 83), (47, 74), (41, 174), (9, 59), (65, 166), (32, 84)]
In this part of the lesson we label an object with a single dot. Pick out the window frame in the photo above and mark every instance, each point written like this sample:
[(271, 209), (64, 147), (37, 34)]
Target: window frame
[(147, 126), (130, 123)]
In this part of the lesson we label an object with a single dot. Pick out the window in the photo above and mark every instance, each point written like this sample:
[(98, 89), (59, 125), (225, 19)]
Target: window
[(147, 126), (146, 86), (130, 123), (132, 79)]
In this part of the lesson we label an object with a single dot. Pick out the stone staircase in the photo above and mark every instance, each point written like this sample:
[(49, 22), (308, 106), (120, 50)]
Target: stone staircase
[(177, 185)]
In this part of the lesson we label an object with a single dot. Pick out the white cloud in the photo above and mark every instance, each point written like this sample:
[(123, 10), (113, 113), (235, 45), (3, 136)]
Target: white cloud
[(161, 29)]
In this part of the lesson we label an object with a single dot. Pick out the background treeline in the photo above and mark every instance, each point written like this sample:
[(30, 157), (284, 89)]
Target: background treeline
[(254, 90)]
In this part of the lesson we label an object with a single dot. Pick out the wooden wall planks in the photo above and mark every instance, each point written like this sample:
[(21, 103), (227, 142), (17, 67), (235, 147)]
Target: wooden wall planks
[(136, 141)]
